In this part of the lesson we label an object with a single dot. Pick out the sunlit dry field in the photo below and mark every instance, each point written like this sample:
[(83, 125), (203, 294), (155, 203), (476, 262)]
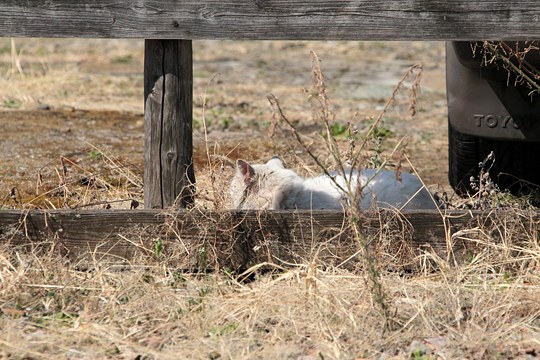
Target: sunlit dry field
[(71, 137)]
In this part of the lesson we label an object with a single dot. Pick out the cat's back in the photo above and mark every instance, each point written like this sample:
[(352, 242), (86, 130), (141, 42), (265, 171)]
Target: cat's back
[(383, 188), (323, 183), (401, 190)]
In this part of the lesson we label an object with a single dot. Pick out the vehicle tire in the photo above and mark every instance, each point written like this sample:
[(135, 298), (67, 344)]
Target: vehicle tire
[(516, 165)]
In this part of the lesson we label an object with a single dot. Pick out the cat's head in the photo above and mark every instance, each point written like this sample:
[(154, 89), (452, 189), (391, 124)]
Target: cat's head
[(260, 186)]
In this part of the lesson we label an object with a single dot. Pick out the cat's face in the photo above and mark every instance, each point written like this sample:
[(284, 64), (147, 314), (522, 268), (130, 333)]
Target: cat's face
[(257, 186)]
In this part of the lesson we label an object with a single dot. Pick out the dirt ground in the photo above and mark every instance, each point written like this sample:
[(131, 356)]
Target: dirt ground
[(79, 99)]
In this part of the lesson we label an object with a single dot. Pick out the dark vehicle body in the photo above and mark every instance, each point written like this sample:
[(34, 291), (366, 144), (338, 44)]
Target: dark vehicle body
[(490, 109)]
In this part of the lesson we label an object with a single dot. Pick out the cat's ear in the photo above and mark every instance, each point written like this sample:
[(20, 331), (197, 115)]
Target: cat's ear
[(247, 171), (276, 162)]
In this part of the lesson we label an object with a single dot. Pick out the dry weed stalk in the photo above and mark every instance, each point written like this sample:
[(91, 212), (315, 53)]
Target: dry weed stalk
[(513, 60), (324, 115), (16, 60)]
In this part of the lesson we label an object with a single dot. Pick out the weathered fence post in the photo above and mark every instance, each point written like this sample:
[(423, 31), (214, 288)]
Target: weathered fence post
[(168, 138)]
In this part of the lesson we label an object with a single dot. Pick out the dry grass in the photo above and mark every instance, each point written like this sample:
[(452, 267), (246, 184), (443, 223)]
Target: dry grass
[(98, 180), (484, 306)]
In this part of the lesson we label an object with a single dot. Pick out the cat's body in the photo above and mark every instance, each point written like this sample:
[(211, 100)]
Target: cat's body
[(271, 186)]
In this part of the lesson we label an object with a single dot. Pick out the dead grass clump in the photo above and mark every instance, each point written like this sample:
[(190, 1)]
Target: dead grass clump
[(501, 243), (97, 179), (50, 308)]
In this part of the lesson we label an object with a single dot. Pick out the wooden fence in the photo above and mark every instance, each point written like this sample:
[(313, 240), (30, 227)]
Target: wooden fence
[(273, 19), (169, 26), (237, 240)]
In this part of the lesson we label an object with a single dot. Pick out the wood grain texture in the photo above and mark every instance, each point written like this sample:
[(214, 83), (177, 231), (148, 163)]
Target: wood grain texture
[(237, 240), (273, 19), (168, 91)]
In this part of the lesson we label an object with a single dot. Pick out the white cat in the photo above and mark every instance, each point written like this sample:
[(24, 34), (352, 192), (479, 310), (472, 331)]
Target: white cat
[(271, 186)]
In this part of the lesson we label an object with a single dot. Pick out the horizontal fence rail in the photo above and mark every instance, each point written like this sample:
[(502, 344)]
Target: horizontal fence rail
[(238, 240), (273, 19)]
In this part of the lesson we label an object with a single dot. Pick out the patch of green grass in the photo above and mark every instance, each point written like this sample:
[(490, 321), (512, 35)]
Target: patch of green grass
[(382, 132), (197, 124), (158, 249), (196, 303), (148, 278), (95, 155), (219, 118), (338, 129), (419, 355), (177, 280), (61, 317), (203, 74), (225, 122), (12, 104), (226, 329), (123, 59)]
